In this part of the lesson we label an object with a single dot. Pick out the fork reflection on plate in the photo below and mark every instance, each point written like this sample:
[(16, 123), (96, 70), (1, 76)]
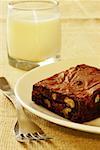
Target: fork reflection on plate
[(24, 129)]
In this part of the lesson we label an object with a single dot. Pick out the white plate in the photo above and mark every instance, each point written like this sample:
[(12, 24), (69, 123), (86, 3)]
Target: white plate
[(23, 91)]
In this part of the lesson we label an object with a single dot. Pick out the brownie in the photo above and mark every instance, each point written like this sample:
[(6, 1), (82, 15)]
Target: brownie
[(73, 94)]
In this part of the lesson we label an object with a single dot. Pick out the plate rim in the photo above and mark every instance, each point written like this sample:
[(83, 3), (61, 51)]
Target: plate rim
[(72, 125)]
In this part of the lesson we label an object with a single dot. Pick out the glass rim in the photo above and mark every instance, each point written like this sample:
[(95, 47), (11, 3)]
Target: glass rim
[(12, 5)]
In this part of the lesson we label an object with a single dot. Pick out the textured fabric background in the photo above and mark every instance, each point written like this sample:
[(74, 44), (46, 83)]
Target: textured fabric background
[(80, 37), (71, 8)]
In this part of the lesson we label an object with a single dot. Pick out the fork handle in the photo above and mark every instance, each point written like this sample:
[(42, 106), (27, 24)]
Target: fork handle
[(20, 111), (21, 115), (11, 96)]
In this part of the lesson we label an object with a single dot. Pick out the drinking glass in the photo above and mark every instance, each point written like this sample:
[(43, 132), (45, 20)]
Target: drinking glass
[(33, 33)]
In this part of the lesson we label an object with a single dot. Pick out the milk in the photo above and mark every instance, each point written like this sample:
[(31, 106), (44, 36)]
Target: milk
[(33, 40)]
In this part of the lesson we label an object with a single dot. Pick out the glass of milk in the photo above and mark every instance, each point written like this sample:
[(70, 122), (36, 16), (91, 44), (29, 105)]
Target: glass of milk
[(33, 33)]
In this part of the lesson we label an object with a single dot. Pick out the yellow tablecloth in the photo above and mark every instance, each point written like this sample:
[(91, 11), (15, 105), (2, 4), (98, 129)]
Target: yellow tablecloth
[(79, 38)]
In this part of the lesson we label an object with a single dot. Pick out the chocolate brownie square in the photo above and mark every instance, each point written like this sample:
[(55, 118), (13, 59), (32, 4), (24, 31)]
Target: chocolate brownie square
[(73, 93)]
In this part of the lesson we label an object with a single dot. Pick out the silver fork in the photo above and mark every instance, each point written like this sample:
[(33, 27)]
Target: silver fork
[(24, 129)]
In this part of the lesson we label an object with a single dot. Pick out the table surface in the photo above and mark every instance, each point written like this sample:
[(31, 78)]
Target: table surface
[(80, 37)]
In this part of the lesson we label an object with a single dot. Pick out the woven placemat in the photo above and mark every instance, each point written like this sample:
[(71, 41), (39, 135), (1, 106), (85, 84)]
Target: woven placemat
[(64, 138)]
